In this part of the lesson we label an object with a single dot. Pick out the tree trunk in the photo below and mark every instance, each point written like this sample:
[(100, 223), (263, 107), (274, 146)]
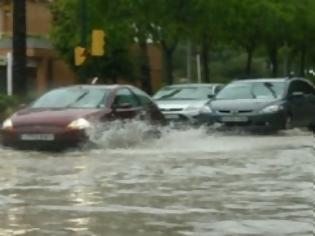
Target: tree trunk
[(168, 66), (273, 56), (205, 62), (248, 69), (302, 62), (168, 62), (145, 75), (19, 47), (114, 79)]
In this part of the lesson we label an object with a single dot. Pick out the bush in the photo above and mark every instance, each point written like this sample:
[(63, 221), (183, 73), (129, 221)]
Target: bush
[(7, 105)]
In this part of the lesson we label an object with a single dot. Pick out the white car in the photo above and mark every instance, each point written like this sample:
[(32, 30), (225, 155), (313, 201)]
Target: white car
[(184, 102)]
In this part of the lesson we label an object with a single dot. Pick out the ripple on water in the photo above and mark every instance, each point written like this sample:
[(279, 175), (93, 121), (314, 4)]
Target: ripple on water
[(188, 182)]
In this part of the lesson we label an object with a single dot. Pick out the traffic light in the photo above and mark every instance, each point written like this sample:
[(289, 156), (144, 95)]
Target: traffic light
[(79, 55), (98, 43)]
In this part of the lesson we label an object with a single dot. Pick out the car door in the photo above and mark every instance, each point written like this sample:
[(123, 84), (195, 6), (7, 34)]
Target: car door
[(299, 98), (217, 89), (150, 111), (309, 94), (125, 104)]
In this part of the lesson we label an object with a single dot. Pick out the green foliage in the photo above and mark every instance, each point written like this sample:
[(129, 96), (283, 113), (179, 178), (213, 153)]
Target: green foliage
[(67, 34), (7, 101), (7, 105), (273, 31)]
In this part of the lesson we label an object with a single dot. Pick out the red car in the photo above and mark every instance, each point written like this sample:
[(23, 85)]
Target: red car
[(61, 117)]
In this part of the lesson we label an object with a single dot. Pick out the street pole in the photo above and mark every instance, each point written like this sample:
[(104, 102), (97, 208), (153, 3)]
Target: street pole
[(286, 60), (188, 62), (19, 47), (198, 61), (83, 22), (9, 74)]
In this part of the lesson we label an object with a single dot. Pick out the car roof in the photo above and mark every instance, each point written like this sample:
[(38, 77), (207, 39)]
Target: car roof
[(262, 80), (287, 80), (193, 85), (98, 86), (284, 79)]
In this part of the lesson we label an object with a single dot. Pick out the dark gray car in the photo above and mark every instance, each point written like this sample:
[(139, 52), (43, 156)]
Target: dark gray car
[(266, 103)]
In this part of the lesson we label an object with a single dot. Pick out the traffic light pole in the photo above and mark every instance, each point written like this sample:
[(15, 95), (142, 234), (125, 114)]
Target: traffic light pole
[(83, 22), (19, 47)]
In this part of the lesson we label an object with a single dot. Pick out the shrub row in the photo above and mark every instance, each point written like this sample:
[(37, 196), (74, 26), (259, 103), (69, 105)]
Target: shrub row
[(7, 105)]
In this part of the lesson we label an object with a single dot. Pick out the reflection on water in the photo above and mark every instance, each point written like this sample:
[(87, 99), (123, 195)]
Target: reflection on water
[(189, 182)]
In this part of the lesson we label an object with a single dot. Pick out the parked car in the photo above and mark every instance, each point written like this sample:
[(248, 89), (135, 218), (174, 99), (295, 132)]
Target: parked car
[(184, 102), (267, 103), (61, 117)]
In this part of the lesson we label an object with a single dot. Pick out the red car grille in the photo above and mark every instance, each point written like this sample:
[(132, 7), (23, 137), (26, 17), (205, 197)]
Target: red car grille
[(40, 128)]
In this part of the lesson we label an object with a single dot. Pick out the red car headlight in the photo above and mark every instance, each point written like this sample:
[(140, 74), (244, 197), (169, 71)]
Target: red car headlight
[(79, 124), (7, 124)]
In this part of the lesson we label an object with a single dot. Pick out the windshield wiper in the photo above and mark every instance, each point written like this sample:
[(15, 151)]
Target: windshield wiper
[(166, 96), (78, 99), (269, 87)]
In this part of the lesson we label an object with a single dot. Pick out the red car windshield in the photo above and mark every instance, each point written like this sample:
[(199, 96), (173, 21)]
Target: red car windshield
[(73, 98)]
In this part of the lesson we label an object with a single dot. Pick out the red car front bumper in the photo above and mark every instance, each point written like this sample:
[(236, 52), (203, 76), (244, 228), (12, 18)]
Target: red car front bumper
[(43, 138)]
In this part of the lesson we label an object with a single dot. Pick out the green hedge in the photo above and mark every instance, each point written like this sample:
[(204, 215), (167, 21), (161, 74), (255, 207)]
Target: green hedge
[(7, 105)]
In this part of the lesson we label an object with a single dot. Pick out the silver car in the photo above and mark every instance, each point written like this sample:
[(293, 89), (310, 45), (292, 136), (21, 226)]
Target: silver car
[(184, 102)]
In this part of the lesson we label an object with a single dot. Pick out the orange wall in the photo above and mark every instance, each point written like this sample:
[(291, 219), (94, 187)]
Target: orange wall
[(61, 74), (39, 18)]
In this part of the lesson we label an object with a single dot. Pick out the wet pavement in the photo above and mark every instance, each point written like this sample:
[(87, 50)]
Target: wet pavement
[(189, 182)]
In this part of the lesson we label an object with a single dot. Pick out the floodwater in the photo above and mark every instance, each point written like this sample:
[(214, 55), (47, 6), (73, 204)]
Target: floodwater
[(188, 182)]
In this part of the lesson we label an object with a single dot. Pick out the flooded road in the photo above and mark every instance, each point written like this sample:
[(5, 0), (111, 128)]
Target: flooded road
[(189, 182)]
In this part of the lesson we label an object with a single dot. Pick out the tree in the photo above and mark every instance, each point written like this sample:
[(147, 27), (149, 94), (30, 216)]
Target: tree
[(159, 21), (303, 32), (170, 20), (240, 26), (245, 28), (137, 15), (207, 28), (277, 17), (67, 34)]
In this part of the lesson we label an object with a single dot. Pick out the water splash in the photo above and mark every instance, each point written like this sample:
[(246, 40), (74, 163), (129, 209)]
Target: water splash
[(121, 134), (135, 137), (130, 137)]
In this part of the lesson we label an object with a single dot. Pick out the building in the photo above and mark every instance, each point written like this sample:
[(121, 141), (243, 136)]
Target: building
[(44, 69)]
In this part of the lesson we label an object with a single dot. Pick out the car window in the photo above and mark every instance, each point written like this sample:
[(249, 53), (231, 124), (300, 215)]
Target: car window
[(236, 91), (301, 86), (125, 96), (73, 98), (265, 90), (252, 90), (143, 97), (217, 89), (90, 99)]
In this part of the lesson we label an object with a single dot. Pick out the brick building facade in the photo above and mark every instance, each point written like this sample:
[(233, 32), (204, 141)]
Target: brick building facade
[(44, 68)]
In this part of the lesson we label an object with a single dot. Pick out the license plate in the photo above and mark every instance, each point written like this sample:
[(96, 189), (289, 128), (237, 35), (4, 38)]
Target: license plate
[(234, 119), (37, 137)]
